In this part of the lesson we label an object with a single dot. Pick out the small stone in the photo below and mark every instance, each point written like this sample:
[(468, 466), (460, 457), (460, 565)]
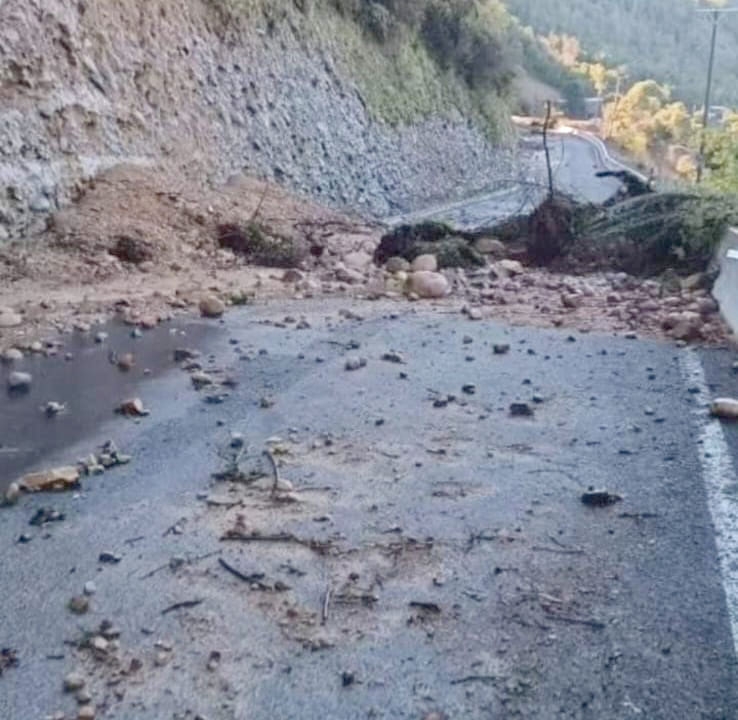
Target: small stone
[(36, 346), (74, 681), (161, 659), (293, 276), (9, 318), (237, 440), (99, 644), (19, 381), (90, 588), (83, 696), (86, 712), (707, 306), (354, 362), (467, 340), (126, 362), (183, 354), (501, 348), (212, 307), (600, 498), (214, 661), (489, 246), (267, 402), (52, 409), (12, 494), (393, 357), (133, 408), (347, 679), (109, 558), (424, 263), (101, 337), (724, 408), (469, 389), (649, 411), (397, 264), (571, 301), (136, 333), (521, 410), (63, 478), (510, 268), (428, 285), (474, 313), (79, 605), (12, 355), (201, 380)]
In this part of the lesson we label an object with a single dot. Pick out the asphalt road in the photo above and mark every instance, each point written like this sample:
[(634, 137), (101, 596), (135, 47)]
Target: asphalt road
[(574, 161), (532, 604), (438, 558)]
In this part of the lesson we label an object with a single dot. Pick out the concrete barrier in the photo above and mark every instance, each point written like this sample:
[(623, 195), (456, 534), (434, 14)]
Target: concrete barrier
[(725, 290)]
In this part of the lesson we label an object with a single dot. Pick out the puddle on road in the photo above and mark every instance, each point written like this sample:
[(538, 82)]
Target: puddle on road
[(89, 385)]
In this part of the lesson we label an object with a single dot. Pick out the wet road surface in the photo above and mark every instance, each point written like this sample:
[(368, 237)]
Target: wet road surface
[(445, 561)]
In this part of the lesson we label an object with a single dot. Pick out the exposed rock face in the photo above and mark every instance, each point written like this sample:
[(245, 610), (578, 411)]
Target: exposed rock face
[(87, 86)]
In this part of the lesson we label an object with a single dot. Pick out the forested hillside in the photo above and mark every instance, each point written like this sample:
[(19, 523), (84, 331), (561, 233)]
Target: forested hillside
[(661, 39)]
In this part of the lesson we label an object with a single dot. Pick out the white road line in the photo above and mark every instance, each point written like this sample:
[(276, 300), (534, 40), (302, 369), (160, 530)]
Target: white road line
[(717, 472)]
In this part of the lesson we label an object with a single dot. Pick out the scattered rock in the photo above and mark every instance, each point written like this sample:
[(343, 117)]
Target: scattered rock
[(501, 348), (521, 409), (183, 354), (707, 306), (63, 478), (354, 362), (214, 661), (474, 313), (571, 301), (490, 246), (36, 347), (293, 276), (510, 268), (428, 284), (52, 409), (600, 498), (9, 318), (101, 337), (11, 355), (132, 408), (424, 263), (201, 380), (90, 588), (125, 362), (267, 402), (393, 357), (83, 696), (357, 260), (19, 381), (46, 515), (212, 307), (86, 712), (469, 389), (397, 264), (109, 558), (12, 494), (79, 605), (724, 408), (74, 681)]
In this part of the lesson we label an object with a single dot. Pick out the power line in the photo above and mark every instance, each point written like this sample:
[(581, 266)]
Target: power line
[(716, 13)]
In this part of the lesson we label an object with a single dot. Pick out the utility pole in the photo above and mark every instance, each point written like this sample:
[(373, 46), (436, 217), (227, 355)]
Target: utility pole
[(716, 13)]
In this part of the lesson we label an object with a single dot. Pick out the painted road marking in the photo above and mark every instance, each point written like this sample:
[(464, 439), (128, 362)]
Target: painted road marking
[(718, 472)]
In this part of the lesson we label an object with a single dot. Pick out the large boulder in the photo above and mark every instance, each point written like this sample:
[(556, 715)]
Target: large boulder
[(427, 284)]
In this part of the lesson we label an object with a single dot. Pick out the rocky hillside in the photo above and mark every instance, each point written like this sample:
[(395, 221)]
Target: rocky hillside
[(296, 92)]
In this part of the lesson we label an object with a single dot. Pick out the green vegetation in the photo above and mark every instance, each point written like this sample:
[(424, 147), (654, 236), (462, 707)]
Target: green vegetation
[(661, 39), (411, 58)]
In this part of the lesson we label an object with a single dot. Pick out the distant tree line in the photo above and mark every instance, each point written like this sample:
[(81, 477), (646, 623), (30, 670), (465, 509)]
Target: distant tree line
[(661, 39)]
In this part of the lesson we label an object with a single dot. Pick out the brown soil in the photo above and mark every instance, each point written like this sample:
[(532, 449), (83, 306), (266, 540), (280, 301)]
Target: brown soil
[(146, 242), (144, 245)]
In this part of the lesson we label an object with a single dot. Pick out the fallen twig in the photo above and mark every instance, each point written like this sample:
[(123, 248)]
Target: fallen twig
[(252, 579), (596, 624), (320, 546), (182, 605), (474, 678), (170, 566), (559, 551), (275, 472), (326, 605)]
